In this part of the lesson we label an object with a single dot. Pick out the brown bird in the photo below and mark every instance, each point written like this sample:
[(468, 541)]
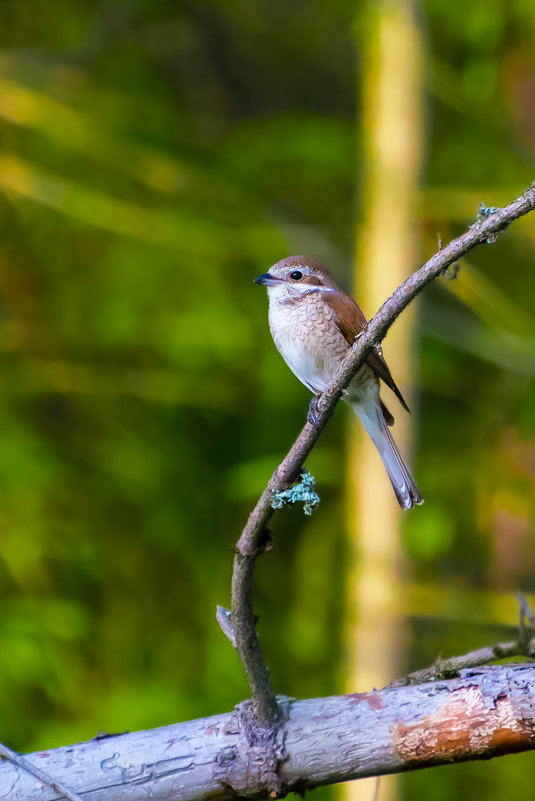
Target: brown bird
[(313, 324)]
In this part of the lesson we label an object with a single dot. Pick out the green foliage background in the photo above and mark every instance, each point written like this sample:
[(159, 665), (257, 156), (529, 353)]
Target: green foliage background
[(156, 157)]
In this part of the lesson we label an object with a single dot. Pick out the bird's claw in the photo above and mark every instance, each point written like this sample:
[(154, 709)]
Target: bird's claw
[(313, 412)]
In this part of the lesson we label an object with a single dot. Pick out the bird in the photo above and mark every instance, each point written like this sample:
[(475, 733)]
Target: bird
[(314, 324)]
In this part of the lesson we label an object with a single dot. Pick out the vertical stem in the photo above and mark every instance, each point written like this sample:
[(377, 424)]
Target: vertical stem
[(263, 696), (390, 158)]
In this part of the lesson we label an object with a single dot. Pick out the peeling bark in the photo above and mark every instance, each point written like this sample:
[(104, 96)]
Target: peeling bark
[(486, 712)]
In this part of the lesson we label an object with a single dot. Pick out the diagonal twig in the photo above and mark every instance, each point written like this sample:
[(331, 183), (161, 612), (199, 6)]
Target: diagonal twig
[(525, 614), (24, 764), (450, 668)]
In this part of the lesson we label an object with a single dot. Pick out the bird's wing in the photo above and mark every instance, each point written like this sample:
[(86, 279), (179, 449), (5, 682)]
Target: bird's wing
[(349, 316), (351, 320)]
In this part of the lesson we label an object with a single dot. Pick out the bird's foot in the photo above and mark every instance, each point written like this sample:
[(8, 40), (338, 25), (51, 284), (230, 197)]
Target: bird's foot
[(313, 412)]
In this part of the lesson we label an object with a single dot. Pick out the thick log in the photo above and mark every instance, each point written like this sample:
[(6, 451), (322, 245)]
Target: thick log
[(486, 712)]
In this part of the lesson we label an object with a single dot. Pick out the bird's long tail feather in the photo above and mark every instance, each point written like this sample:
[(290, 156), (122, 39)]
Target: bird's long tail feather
[(373, 419)]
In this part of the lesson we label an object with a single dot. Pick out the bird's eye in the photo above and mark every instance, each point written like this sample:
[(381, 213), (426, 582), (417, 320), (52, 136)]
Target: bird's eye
[(296, 275)]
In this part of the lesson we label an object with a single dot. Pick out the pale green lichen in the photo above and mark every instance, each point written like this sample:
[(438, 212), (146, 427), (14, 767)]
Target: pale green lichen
[(483, 213), (304, 492)]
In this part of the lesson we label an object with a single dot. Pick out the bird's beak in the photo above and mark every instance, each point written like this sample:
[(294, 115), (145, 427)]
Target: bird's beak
[(267, 280)]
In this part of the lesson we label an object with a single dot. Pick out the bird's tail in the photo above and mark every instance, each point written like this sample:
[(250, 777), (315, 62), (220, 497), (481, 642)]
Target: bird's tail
[(373, 419)]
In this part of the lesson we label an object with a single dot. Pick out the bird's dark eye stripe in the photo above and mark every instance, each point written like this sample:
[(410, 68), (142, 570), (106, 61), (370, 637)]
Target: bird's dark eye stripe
[(296, 275)]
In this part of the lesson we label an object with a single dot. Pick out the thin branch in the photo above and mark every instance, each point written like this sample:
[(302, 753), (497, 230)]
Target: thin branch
[(33, 770), (252, 542), (451, 667), (525, 615)]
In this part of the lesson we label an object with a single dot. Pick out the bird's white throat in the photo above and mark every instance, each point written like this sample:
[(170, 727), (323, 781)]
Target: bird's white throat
[(287, 293)]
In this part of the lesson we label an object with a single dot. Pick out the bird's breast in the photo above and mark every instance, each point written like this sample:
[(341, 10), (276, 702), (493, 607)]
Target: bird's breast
[(308, 338)]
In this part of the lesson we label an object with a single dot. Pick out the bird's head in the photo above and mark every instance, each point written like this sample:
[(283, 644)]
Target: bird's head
[(295, 277)]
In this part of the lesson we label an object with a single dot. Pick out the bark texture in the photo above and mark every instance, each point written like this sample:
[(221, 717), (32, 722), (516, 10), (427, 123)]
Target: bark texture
[(486, 712)]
